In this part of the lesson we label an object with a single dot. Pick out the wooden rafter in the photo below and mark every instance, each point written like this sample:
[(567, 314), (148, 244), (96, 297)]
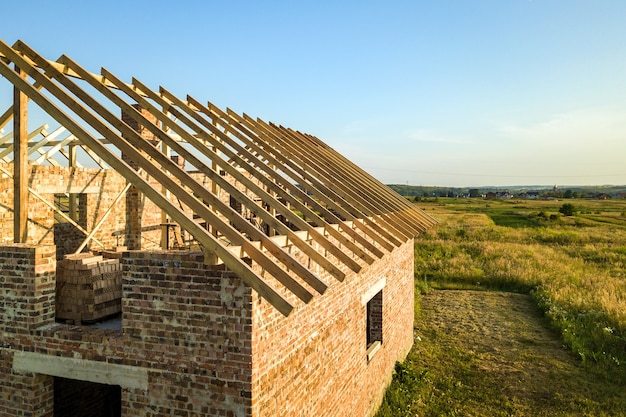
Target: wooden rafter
[(206, 240), (344, 212), (215, 177), (347, 184), (293, 195), (217, 143), (313, 184), (387, 196), (243, 160)]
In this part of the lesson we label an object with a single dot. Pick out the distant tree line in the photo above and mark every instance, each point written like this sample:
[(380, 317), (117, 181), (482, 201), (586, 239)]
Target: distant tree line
[(590, 192)]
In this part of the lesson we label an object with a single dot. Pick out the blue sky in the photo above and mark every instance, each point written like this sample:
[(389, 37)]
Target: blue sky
[(448, 93)]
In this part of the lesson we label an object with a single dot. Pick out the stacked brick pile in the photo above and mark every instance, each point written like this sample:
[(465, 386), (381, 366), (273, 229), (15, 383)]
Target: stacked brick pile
[(89, 288)]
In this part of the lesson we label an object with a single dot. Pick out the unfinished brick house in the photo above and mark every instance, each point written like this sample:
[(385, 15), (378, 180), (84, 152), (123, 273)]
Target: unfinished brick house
[(160, 256)]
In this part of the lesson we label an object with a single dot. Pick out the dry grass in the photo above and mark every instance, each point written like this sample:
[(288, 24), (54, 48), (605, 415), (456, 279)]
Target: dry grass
[(574, 266), (574, 269)]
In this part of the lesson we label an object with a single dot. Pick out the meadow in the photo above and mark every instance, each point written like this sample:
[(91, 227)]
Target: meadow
[(573, 267)]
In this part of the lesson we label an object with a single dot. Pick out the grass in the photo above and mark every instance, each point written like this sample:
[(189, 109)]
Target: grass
[(574, 267)]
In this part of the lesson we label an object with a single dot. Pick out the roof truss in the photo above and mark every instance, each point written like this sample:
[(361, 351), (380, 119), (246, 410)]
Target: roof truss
[(340, 217)]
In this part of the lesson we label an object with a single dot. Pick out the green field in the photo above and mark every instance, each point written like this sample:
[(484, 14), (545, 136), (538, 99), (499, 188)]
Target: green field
[(572, 266)]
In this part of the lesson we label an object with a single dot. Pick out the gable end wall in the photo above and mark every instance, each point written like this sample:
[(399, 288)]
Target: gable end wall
[(314, 362)]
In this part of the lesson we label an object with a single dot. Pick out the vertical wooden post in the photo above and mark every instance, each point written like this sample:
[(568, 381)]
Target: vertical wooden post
[(20, 163), (215, 168), (165, 230), (72, 197)]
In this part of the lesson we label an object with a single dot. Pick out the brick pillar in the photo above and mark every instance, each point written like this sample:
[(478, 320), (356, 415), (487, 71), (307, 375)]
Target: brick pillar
[(27, 288), (135, 199)]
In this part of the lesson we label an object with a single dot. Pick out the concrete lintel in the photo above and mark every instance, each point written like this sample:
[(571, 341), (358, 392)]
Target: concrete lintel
[(81, 369), (372, 291)]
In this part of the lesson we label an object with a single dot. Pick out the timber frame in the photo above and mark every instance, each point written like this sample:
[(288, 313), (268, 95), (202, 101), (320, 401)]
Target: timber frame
[(305, 192)]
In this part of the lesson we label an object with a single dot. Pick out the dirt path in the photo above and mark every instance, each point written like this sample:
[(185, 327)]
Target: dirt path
[(509, 351)]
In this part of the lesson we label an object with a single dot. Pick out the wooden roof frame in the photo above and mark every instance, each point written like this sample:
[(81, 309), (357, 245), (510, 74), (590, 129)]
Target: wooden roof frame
[(345, 212)]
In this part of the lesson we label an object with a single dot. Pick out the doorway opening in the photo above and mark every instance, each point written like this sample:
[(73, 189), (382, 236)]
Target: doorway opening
[(88, 399)]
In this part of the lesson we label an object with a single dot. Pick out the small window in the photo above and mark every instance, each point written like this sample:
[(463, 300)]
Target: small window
[(73, 205), (374, 324)]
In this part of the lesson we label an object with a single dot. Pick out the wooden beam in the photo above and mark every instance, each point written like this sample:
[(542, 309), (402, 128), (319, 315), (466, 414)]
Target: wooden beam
[(205, 239), (6, 117), (4, 155), (293, 194), (350, 187), (20, 162), (135, 141), (323, 194), (237, 153)]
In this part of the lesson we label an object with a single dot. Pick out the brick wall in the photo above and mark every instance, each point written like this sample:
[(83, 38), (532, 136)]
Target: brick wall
[(27, 279), (207, 343), (26, 303), (187, 325), (314, 362), (25, 394), (193, 322), (100, 189)]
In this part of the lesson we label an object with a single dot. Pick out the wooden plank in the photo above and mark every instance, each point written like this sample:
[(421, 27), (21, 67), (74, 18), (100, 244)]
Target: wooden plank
[(387, 195), (216, 142), (20, 162), (323, 193), (6, 117), (347, 185), (292, 192), (294, 156), (241, 157), (168, 165), (205, 239)]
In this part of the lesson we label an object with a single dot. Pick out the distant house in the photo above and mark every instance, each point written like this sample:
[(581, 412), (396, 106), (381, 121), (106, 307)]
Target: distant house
[(532, 195), (504, 195)]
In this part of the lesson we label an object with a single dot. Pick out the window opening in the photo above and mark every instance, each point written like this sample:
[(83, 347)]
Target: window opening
[(375, 320)]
